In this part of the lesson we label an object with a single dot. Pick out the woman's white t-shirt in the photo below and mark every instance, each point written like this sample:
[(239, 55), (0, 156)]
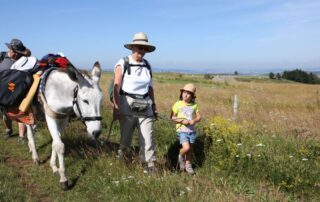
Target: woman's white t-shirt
[(139, 80)]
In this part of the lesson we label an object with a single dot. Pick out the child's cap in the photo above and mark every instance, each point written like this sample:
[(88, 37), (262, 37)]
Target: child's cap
[(190, 88)]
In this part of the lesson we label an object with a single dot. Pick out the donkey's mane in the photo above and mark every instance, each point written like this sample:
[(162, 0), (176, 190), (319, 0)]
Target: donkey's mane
[(85, 73)]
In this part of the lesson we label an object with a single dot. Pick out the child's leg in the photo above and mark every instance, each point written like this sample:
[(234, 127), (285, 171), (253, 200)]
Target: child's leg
[(188, 167), (7, 123), (185, 149), (22, 129), (8, 126), (191, 141), (182, 153), (189, 154)]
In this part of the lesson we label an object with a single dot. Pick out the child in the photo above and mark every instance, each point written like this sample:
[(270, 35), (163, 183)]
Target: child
[(185, 114)]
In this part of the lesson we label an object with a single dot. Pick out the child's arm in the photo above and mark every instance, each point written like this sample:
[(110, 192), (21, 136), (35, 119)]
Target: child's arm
[(195, 120), (175, 119)]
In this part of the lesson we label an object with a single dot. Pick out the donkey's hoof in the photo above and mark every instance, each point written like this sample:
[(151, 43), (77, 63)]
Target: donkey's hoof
[(36, 162), (64, 185)]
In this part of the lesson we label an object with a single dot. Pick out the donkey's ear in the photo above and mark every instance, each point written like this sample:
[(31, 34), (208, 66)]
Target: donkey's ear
[(74, 74), (96, 72)]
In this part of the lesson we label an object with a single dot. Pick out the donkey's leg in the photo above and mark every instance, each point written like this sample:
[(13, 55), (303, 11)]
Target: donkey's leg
[(53, 161), (31, 144), (58, 147), (56, 127), (55, 146)]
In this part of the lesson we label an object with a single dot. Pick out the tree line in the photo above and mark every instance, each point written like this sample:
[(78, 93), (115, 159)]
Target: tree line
[(297, 75)]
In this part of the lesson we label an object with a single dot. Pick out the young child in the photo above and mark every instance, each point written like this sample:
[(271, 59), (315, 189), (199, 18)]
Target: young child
[(185, 114)]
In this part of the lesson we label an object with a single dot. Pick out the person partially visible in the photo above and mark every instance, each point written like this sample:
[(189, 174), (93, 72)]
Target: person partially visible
[(134, 102), (185, 113), (16, 50)]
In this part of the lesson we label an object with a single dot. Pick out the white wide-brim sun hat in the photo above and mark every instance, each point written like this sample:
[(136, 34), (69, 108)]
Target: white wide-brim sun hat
[(140, 39)]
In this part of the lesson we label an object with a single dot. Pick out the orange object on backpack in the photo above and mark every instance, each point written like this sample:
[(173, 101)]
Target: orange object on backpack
[(15, 114)]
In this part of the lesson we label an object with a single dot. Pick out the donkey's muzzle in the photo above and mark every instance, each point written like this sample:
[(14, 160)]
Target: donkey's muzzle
[(96, 133)]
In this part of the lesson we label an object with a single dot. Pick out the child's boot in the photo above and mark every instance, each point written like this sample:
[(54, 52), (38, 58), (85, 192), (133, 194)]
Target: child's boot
[(182, 163), (189, 169)]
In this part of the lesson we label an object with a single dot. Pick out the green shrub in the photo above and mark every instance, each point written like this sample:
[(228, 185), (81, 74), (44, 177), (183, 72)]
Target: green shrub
[(224, 137), (208, 76), (242, 150)]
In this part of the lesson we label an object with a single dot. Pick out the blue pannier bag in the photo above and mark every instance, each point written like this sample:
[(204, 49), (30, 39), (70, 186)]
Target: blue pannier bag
[(14, 85)]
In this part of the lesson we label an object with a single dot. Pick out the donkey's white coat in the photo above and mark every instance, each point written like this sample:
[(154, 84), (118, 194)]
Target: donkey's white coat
[(59, 93)]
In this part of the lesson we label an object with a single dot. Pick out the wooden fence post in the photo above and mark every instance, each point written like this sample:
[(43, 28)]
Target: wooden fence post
[(235, 107), (318, 98)]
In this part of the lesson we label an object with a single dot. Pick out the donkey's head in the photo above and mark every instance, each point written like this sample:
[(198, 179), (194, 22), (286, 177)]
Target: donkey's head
[(88, 98)]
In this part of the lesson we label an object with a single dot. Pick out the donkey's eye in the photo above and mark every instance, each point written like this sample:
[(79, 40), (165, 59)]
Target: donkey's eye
[(86, 101)]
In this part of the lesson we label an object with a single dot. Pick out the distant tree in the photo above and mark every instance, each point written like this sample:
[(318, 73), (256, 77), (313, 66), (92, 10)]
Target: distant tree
[(278, 75), (271, 75), (301, 76), (208, 76), (314, 79), (236, 73)]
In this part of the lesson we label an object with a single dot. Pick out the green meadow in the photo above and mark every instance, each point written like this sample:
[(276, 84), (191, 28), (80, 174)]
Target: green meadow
[(268, 151)]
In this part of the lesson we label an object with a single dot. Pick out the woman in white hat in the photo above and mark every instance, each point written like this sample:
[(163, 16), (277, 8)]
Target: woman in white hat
[(134, 103)]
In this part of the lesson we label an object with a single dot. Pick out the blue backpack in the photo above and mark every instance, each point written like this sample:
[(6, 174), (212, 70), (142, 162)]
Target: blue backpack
[(14, 86)]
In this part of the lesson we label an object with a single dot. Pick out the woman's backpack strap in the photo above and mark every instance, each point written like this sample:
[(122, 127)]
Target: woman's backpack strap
[(148, 66), (126, 66)]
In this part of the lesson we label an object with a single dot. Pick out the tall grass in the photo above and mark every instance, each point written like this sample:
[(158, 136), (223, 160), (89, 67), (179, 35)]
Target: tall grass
[(291, 164), (269, 153), (283, 108)]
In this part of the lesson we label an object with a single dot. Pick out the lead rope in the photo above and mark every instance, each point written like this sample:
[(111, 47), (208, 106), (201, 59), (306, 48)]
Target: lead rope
[(109, 132), (156, 116)]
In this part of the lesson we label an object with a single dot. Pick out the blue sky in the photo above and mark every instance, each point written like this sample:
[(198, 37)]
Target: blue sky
[(213, 35)]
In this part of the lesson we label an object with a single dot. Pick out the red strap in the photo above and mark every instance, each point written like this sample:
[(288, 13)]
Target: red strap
[(62, 62)]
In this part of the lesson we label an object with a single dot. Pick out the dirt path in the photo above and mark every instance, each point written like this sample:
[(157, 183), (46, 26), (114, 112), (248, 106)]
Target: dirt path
[(20, 166)]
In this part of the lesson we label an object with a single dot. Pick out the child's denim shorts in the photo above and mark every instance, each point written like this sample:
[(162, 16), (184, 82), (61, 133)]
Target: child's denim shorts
[(187, 137)]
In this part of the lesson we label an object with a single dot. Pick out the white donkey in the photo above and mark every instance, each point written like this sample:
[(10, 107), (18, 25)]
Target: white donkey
[(64, 94)]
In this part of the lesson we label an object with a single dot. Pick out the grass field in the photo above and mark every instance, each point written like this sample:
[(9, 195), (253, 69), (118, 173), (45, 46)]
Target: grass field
[(269, 151)]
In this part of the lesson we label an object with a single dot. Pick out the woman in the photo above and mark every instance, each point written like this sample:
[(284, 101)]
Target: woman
[(134, 103), (16, 50)]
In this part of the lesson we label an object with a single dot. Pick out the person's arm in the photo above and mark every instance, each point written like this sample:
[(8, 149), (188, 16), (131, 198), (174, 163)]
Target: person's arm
[(196, 119), (116, 90), (2, 56), (175, 119), (151, 94)]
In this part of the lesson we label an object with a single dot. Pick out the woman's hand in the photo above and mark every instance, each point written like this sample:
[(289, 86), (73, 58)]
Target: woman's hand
[(154, 109)]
